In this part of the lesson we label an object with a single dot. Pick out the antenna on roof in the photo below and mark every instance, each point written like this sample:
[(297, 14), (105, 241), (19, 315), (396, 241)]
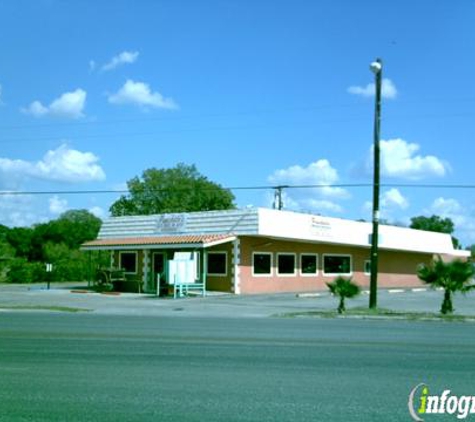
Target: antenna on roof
[(278, 200)]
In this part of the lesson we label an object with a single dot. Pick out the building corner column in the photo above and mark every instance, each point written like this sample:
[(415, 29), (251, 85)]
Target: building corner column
[(236, 267), (147, 283)]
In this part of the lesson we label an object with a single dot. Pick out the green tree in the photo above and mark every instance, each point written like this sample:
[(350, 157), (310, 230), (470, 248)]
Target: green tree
[(344, 288), (68, 264), (453, 276), (437, 224), (178, 189), (7, 254), (20, 239), (76, 227), (432, 224)]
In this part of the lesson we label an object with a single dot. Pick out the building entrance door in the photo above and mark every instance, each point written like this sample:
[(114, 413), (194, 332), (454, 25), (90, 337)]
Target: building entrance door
[(159, 268)]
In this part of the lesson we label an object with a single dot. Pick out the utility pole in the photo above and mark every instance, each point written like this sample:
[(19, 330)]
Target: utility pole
[(377, 68), (278, 200)]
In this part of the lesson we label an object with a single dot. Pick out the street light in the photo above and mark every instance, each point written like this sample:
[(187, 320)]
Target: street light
[(377, 68)]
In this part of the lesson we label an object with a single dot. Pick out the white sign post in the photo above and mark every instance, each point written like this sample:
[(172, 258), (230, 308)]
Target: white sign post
[(49, 269)]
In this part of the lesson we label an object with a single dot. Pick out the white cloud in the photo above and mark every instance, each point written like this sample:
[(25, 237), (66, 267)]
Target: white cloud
[(139, 93), (98, 212), (92, 66), (126, 57), (19, 210), (391, 201), (62, 164), (318, 173), (68, 105), (400, 159), (463, 218), (388, 89), (394, 199), (446, 207), (57, 205)]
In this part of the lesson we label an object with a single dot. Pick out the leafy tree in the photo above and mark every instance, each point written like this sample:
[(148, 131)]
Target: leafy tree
[(432, 224), (68, 264), (453, 276), (437, 224), (20, 239), (344, 288), (7, 253), (178, 189), (76, 227), (22, 271), (56, 241)]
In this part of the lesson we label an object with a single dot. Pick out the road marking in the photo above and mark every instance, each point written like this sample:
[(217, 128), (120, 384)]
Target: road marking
[(419, 289), (305, 295), (396, 291)]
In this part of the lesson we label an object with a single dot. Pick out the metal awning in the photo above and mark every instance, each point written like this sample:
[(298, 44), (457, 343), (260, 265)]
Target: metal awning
[(158, 242)]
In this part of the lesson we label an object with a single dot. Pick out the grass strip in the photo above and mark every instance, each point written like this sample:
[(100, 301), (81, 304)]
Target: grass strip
[(380, 313), (43, 308)]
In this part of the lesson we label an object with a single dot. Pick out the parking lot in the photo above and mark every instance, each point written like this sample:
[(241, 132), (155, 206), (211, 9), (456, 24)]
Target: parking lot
[(76, 297)]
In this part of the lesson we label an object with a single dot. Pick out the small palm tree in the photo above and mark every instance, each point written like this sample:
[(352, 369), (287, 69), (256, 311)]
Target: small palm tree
[(454, 276), (344, 288)]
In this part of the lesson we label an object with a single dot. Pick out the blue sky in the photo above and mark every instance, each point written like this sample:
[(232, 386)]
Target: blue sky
[(254, 93)]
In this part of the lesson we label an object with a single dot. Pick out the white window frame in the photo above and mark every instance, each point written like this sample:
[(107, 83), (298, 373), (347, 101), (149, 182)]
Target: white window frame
[(367, 261), (337, 274), (292, 274), (225, 274), (270, 274), (136, 261), (316, 265)]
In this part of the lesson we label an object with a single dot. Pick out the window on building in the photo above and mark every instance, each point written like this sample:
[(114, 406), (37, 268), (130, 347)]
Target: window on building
[(217, 263), (286, 264), (337, 264), (367, 267), (261, 263), (128, 262), (309, 264)]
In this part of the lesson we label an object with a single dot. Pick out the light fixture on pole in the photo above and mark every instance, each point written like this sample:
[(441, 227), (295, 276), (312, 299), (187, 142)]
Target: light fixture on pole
[(377, 68)]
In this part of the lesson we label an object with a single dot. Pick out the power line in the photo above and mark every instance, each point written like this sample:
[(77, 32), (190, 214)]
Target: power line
[(240, 188)]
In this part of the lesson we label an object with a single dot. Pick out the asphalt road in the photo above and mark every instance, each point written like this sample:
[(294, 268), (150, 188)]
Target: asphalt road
[(89, 367)]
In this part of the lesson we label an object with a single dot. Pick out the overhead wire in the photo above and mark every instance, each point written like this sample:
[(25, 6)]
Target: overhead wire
[(239, 188)]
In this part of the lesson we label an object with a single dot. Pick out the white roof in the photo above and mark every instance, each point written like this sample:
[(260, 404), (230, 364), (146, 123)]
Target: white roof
[(279, 224)]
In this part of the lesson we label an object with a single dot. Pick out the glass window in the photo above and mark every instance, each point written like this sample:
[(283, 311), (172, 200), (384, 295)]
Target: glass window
[(261, 263), (309, 264), (128, 262), (337, 264), (285, 264), (217, 263)]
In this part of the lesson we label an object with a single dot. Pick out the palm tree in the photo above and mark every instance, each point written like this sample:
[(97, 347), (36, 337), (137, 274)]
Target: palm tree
[(343, 288), (453, 276)]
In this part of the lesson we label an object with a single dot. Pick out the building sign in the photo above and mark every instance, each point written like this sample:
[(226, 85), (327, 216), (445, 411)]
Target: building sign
[(171, 223), (321, 228)]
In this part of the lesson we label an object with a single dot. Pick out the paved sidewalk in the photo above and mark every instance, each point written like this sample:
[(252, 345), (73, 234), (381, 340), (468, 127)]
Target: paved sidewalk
[(215, 305)]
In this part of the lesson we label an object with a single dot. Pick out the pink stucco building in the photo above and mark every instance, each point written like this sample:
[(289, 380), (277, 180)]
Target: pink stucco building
[(259, 250)]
